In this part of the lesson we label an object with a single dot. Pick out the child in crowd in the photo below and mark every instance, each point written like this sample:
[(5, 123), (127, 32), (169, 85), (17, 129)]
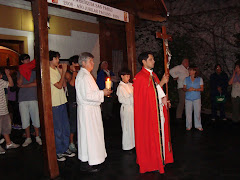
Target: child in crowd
[(59, 108), (193, 85), (27, 98), (125, 97), (71, 97), (13, 105), (5, 121)]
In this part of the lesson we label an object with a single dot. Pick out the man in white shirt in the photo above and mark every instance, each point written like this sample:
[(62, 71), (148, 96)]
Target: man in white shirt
[(91, 145), (179, 73)]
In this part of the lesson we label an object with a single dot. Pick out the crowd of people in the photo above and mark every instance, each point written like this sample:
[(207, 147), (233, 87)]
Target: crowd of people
[(80, 103), (190, 85)]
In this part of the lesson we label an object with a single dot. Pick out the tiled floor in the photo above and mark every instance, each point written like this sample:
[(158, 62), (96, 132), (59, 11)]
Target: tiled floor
[(211, 154)]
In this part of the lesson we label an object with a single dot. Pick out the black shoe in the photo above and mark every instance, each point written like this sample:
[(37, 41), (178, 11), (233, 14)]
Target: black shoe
[(131, 151), (93, 170), (89, 169), (68, 153)]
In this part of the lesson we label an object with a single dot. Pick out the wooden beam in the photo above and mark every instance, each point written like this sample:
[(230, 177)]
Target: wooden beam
[(151, 17), (40, 14), (131, 46)]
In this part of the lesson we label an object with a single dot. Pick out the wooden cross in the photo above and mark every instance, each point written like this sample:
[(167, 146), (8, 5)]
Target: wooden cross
[(165, 37), (167, 56)]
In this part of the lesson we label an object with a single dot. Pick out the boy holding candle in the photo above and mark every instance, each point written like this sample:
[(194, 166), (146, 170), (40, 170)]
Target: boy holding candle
[(125, 97)]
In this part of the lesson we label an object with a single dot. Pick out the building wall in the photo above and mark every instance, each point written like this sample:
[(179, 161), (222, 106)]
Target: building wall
[(70, 33)]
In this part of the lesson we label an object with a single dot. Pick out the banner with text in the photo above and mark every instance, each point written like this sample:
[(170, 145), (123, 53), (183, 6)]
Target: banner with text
[(94, 7)]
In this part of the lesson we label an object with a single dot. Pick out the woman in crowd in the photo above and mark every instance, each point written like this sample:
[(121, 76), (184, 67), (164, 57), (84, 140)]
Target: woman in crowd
[(193, 86), (235, 82)]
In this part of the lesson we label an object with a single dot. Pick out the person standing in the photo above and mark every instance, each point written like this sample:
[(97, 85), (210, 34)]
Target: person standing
[(179, 73), (71, 96), (235, 82), (27, 98), (103, 74), (13, 105), (218, 87), (193, 86), (125, 97), (5, 121), (107, 105), (91, 145), (59, 107), (152, 136)]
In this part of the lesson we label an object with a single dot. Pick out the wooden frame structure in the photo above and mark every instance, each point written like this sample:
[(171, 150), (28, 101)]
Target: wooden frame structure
[(40, 15), (41, 54)]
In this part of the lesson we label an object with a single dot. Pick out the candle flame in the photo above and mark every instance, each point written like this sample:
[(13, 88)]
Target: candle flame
[(108, 79)]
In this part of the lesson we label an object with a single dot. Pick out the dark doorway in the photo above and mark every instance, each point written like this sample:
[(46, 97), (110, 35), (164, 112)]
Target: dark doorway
[(15, 45), (112, 41)]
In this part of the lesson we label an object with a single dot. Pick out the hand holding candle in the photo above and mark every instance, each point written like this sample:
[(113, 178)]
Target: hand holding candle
[(108, 83), (107, 92)]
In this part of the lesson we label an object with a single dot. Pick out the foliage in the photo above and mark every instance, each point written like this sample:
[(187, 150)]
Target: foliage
[(237, 42)]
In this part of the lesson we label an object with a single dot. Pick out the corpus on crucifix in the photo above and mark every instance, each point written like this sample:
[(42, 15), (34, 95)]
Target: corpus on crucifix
[(167, 53)]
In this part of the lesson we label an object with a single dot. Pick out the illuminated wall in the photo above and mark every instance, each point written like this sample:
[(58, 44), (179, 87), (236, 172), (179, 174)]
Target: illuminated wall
[(70, 33)]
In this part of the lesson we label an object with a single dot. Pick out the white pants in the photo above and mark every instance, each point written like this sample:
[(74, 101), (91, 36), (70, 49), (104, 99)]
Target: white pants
[(189, 107)]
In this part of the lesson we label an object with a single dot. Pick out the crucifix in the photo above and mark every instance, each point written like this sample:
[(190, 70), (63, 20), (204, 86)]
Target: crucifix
[(167, 58), (167, 53)]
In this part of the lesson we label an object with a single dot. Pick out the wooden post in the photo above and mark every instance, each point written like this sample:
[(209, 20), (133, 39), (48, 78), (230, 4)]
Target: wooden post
[(40, 14), (131, 47)]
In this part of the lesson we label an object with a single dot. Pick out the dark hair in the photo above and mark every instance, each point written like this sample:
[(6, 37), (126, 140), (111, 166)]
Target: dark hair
[(215, 67), (143, 56), (194, 68), (53, 54), (23, 57), (73, 59), (237, 64), (1, 71), (123, 72), (99, 67)]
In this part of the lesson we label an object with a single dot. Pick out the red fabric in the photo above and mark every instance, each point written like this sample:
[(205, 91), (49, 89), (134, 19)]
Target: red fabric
[(26, 69), (147, 125)]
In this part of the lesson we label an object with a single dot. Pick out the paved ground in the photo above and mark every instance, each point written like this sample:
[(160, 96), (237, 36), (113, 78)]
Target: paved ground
[(211, 154)]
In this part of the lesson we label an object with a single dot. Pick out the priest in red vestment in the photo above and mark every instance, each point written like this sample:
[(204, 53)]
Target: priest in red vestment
[(152, 135)]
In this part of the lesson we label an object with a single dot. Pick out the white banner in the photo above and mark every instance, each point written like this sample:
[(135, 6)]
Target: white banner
[(94, 8)]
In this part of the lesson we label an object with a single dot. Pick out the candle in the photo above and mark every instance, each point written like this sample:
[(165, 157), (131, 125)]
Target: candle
[(108, 83)]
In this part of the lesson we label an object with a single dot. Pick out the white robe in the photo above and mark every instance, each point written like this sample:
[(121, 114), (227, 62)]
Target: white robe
[(161, 94), (125, 97), (91, 145)]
